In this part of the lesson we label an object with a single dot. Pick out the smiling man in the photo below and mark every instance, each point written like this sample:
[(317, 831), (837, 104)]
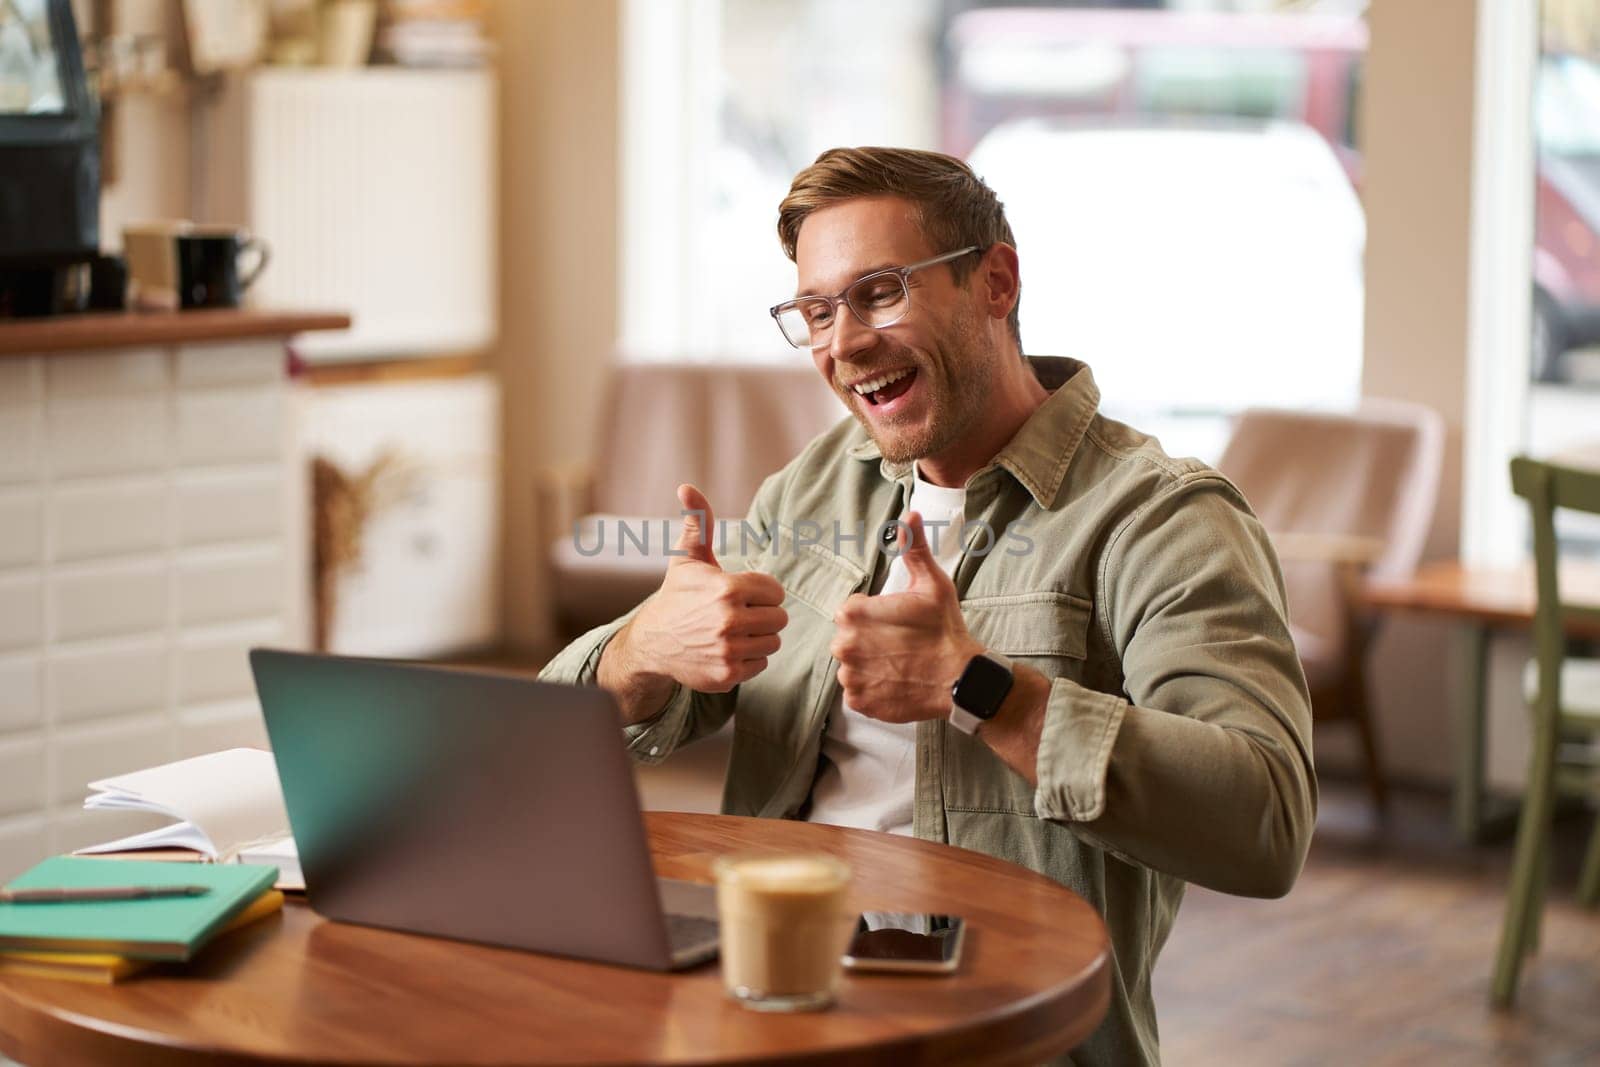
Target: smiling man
[(1070, 650)]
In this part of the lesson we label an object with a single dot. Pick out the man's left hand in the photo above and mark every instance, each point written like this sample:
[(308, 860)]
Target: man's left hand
[(899, 654)]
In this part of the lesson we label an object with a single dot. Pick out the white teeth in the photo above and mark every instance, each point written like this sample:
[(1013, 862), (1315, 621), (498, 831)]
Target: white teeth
[(878, 383)]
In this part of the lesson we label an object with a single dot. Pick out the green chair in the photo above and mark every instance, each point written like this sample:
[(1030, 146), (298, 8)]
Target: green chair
[(1564, 694)]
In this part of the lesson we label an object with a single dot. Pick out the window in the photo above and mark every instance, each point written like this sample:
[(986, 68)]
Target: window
[(1180, 182), (725, 100), (1535, 387), (1566, 311), (1563, 417), (1181, 189)]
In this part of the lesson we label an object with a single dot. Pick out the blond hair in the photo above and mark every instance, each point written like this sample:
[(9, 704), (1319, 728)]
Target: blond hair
[(953, 207)]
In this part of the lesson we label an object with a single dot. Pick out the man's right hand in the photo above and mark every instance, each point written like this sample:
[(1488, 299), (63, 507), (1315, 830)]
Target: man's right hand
[(704, 628)]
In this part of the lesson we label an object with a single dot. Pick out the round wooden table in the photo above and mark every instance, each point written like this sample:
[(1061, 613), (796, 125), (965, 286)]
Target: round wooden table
[(1033, 983)]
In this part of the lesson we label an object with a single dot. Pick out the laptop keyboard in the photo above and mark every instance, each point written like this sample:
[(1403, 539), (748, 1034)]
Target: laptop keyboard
[(690, 931)]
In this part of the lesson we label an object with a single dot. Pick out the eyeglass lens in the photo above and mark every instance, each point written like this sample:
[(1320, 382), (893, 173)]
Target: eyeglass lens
[(878, 300)]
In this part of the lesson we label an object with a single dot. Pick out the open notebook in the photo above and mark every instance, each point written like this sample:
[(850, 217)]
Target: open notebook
[(223, 804)]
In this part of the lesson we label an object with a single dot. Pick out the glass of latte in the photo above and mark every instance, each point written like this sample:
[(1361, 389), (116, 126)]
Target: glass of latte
[(786, 919)]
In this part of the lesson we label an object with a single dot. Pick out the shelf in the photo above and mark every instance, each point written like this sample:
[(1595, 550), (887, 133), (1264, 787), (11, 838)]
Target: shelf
[(65, 334)]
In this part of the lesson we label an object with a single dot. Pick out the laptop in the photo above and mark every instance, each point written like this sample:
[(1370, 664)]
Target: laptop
[(476, 806)]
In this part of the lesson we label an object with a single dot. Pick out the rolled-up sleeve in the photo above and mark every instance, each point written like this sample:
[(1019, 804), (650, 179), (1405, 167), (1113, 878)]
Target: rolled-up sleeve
[(688, 714), (1201, 767), (650, 741), (1080, 728)]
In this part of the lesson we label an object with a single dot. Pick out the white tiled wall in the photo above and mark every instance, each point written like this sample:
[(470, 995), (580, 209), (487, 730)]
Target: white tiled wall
[(145, 546)]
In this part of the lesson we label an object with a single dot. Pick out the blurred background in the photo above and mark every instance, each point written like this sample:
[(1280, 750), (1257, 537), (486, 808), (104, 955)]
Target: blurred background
[(551, 223)]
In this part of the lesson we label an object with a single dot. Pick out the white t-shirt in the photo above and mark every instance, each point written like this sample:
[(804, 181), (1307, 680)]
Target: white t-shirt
[(868, 773)]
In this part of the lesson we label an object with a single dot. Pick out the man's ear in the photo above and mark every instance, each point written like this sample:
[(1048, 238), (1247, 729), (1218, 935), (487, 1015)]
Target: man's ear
[(999, 279)]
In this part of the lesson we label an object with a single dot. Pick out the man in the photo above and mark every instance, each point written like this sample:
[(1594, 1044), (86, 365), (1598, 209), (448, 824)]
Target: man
[(1128, 711)]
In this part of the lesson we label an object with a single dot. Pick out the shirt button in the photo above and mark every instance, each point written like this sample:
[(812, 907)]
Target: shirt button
[(654, 749)]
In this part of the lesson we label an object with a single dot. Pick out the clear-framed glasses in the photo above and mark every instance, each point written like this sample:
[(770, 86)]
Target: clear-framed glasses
[(879, 299)]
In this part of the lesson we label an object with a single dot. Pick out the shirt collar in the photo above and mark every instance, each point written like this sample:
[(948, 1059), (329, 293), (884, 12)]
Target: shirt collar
[(1040, 452)]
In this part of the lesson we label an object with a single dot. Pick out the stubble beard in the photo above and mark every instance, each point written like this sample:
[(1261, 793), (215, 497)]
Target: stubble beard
[(957, 386)]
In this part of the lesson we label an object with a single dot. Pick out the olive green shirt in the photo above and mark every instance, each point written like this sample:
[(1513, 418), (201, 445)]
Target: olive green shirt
[(1176, 744)]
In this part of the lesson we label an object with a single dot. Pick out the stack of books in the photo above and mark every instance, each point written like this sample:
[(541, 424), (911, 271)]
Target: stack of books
[(86, 920)]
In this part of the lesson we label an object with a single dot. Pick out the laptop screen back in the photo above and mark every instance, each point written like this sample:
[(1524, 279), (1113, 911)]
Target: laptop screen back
[(467, 805)]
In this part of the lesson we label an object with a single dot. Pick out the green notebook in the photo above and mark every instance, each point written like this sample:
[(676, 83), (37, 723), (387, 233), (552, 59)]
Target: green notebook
[(166, 928)]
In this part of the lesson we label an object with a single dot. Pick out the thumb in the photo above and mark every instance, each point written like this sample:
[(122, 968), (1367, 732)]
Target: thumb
[(698, 524), (921, 567)]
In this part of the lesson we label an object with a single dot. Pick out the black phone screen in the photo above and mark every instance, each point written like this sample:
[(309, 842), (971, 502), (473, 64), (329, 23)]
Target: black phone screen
[(906, 937)]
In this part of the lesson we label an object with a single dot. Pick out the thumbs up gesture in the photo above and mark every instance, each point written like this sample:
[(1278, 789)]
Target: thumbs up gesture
[(705, 628), (699, 530), (900, 653)]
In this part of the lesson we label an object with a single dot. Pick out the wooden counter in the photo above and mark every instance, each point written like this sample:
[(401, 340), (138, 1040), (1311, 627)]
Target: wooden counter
[(65, 334)]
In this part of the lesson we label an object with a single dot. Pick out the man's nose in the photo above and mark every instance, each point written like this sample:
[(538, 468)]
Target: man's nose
[(851, 336)]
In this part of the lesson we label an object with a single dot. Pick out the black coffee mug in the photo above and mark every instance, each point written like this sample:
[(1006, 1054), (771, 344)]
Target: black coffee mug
[(108, 283), (208, 267)]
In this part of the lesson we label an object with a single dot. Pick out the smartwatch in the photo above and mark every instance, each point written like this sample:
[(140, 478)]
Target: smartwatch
[(978, 693)]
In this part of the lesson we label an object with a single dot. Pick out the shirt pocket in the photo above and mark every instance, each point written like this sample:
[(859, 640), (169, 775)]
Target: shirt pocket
[(1048, 631), (783, 704), (811, 575)]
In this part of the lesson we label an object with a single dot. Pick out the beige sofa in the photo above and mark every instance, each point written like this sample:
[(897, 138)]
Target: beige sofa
[(723, 427)]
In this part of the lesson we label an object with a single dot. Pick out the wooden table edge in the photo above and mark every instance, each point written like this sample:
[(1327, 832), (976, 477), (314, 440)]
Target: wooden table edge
[(74, 1038), (28, 1023)]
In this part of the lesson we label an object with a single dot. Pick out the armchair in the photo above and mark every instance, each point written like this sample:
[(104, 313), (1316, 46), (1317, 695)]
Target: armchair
[(1344, 497), (722, 426)]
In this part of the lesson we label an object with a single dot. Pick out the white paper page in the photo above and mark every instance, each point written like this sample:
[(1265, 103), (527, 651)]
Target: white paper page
[(178, 835), (281, 848), (280, 854), (125, 802), (231, 796)]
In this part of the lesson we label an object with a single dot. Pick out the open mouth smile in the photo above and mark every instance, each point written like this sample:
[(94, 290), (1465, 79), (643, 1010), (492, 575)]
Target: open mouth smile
[(885, 388)]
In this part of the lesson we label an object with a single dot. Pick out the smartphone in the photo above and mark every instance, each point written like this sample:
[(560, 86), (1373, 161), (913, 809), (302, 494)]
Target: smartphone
[(906, 941)]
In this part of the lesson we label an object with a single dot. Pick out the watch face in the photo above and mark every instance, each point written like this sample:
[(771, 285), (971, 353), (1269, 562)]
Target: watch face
[(982, 687)]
